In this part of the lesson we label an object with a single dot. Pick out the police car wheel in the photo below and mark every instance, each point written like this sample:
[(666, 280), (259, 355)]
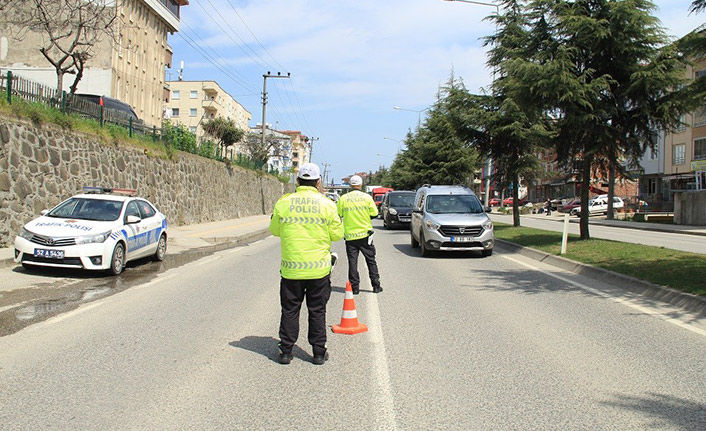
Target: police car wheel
[(161, 249), (117, 261)]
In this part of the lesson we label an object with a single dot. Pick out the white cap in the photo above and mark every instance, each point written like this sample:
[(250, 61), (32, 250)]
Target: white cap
[(356, 180), (309, 171)]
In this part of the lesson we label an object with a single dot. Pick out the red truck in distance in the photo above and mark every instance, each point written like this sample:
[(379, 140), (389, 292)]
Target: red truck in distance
[(379, 193)]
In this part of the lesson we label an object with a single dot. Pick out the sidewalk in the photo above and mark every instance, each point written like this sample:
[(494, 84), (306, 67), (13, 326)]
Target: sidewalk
[(657, 227), (218, 234)]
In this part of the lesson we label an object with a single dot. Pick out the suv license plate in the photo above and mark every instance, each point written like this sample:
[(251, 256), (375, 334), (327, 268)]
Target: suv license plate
[(461, 239), (51, 254)]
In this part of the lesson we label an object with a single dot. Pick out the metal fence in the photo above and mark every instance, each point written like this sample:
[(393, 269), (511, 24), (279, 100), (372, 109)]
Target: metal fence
[(16, 87)]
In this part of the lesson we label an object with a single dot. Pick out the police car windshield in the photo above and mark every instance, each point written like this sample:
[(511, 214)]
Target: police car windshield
[(88, 209), (402, 200), (453, 204)]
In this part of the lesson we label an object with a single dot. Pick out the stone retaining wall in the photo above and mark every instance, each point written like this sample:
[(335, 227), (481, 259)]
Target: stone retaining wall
[(43, 165)]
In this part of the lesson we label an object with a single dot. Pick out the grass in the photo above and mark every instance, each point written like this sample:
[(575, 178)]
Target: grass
[(672, 268)]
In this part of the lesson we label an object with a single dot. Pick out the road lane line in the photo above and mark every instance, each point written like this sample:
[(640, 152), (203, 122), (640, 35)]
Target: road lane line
[(385, 404), (71, 313), (624, 301)]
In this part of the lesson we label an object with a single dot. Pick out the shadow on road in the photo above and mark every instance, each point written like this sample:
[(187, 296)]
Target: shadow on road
[(666, 411), (407, 249), (267, 347)]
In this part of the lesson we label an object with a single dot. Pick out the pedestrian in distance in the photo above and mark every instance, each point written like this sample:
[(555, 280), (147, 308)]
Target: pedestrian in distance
[(357, 209), (549, 206), (306, 222)]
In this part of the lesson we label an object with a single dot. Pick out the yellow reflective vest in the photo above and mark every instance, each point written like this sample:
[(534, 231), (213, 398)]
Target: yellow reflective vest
[(307, 223), (356, 208)]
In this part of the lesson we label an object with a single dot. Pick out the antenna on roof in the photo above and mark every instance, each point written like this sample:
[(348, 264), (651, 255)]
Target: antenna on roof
[(181, 70)]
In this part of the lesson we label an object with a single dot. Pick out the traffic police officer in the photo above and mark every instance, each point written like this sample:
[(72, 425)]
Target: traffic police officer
[(357, 208), (307, 223)]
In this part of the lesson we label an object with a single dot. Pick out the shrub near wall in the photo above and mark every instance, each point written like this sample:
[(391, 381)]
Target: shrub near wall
[(42, 165)]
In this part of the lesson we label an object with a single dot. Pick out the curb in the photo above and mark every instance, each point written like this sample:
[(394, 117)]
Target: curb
[(218, 244), (224, 243), (687, 301)]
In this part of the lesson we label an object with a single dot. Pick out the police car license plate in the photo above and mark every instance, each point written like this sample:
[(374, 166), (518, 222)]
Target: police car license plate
[(51, 254), (461, 239)]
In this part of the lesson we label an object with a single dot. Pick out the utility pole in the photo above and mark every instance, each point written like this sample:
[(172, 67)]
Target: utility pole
[(264, 99), (311, 140), (326, 165)]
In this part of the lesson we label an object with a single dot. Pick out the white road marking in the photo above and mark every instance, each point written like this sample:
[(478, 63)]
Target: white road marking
[(624, 301), (210, 259), (385, 404)]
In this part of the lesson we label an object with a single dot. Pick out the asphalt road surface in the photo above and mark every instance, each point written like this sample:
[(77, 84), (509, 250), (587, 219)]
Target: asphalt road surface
[(676, 241), (455, 342)]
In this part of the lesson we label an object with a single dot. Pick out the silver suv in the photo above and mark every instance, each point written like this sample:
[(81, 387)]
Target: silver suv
[(450, 218)]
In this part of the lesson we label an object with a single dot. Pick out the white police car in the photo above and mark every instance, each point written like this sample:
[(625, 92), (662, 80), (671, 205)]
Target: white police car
[(101, 229)]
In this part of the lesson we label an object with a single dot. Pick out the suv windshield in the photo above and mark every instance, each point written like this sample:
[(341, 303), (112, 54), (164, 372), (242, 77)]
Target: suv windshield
[(402, 200), (88, 209), (453, 204)]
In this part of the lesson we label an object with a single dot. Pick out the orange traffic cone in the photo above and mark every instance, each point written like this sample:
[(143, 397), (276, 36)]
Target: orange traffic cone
[(349, 319)]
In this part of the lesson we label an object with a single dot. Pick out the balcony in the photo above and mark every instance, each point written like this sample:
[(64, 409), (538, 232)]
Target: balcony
[(209, 106)]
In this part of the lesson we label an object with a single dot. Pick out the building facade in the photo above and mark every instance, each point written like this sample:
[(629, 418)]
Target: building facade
[(301, 149), (191, 103), (129, 67)]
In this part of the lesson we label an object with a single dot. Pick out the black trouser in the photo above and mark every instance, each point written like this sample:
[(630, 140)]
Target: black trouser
[(368, 250), (291, 296)]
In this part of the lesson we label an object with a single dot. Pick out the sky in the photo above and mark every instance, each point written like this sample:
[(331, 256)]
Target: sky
[(350, 64)]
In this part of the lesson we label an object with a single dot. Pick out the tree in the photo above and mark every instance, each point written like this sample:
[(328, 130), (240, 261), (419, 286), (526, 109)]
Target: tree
[(260, 153), (607, 79), (70, 30), (224, 131), (435, 153), (698, 6)]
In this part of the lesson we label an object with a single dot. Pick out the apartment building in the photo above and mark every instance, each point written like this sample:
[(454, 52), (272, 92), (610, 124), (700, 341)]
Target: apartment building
[(130, 67), (280, 159), (301, 149), (193, 102), (678, 161)]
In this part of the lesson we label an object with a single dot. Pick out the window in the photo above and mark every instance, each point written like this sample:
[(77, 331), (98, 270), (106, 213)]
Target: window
[(678, 154), (175, 94), (295, 155), (146, 209), (192, 129), (192, 112), (700, 117), (175, 112), (700, 149), (193, 94), (132, 210)]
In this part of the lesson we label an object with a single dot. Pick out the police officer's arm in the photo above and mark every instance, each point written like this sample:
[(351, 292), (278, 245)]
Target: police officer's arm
[(335, 228), (373, 208), (339, 206), (274, 222)]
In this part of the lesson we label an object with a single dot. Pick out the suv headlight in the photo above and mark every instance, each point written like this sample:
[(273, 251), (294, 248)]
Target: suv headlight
[(432, 225), (24, 233), (393, 211), (88, 239), (488, 225)]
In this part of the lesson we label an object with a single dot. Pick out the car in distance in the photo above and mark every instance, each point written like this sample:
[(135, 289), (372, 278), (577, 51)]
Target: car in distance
[(599, 205), (100, 229), (450, 218), (396, 208), (508, 201), (494, 202)]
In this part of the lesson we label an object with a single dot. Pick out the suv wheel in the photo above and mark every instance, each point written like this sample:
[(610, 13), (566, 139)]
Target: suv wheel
[(413, 242), (425, 251)]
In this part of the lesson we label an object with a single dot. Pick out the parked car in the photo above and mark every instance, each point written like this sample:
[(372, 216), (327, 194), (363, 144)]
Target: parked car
[(396, 208), (569, 205), (599, 205), (450, 218), (494, 202), (100, 229), (114, 108), (508, 201)]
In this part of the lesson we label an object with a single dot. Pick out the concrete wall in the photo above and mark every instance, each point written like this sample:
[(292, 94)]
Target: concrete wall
[(690, 208), (43, 165)]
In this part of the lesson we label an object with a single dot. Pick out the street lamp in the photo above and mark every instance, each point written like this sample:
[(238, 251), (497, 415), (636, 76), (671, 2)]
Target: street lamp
[(490, 161), (419, 113)]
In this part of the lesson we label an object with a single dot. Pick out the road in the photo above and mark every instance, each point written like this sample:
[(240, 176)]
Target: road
[(456, 342), (676, 241)]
